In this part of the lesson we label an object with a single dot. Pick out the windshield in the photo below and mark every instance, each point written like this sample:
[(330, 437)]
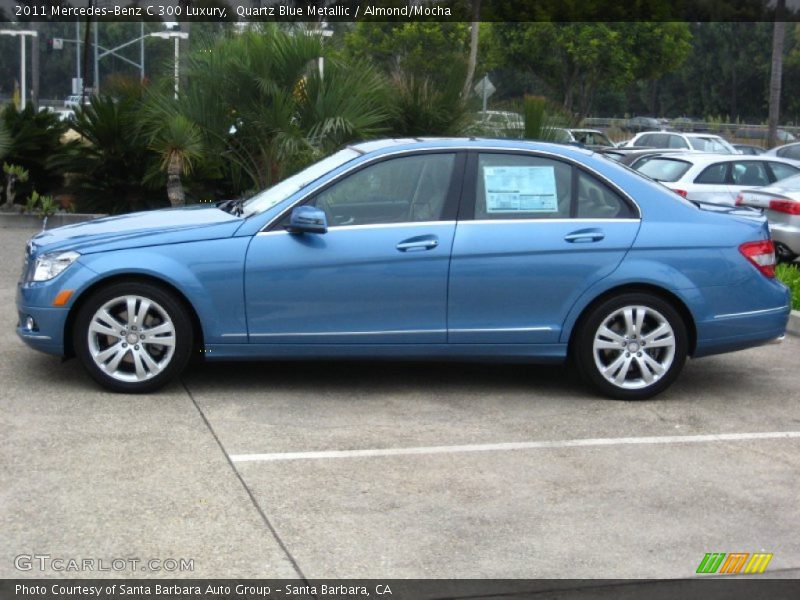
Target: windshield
[(280, 191), (663, 169)]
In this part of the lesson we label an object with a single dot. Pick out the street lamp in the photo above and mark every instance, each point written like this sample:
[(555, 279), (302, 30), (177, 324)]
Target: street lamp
[(177, 36), (21, 33)]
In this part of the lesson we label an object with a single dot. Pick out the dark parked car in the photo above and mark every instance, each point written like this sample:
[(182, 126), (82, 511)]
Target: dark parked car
[(749, 149), (630, 156), (638, 124)]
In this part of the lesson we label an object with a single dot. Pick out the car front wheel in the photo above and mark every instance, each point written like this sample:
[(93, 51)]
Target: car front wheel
[(133, 337), (631, 347)]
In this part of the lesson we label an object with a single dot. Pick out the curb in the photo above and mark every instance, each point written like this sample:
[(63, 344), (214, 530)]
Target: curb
[(793, 326), (21, 221)]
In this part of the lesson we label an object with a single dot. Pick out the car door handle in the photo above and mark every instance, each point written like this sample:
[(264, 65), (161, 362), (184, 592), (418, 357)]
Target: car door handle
[(418, 243), (584, 236)]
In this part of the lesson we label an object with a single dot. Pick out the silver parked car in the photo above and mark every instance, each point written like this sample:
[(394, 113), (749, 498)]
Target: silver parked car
[(781, 205), (702, 142), (715, 178), (786, 151)]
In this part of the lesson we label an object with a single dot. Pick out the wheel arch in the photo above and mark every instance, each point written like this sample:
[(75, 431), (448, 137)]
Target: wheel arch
[(674, 300), (197, 328)]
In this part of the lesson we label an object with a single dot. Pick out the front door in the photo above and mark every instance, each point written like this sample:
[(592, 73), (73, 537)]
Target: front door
[(379, 274)]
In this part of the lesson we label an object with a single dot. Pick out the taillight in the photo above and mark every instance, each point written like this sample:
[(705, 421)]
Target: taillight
[(785, 206), (681, 193), (739, 200), (761, 255)]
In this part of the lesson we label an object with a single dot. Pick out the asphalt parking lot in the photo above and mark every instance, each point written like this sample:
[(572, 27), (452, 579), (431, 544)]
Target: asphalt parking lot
[(466, 471)]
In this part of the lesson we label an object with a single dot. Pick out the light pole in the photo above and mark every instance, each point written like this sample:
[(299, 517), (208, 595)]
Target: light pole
[(177, 36), (21, 33)]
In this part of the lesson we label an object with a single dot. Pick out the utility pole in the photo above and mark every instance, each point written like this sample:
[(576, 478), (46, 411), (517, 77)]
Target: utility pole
[(778, 34), (23, 64), (35, 66)]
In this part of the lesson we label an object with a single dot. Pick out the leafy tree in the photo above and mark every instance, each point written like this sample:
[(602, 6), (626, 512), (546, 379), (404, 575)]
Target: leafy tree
[(574, 60), (422, 49)]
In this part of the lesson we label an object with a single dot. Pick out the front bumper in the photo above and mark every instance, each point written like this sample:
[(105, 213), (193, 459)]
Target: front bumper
[(47, 333), (35, 300)]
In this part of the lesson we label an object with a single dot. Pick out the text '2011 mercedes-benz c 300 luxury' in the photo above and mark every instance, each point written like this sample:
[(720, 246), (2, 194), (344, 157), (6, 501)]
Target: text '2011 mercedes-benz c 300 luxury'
[(410, 249)]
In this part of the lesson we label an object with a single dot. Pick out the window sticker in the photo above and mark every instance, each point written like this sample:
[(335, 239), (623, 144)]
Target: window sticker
[(520, 189)]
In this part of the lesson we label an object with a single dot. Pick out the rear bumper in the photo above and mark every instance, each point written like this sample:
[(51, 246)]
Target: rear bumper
[(727, 333), (788, 235)]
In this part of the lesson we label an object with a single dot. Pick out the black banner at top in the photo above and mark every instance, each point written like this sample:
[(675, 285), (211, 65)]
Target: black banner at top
[(398, 10)]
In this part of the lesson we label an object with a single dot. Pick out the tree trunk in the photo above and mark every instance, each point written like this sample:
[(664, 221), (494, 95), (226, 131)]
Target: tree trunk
[(473, 48), (778, 34), (174, 183), (10, 194)]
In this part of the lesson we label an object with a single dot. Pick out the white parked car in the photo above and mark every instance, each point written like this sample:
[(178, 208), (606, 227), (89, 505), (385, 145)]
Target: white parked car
[(715, 178), (701, 142), (73, 101)]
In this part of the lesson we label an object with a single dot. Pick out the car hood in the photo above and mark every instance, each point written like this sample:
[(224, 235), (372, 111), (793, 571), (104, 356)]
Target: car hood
[(151, 228)]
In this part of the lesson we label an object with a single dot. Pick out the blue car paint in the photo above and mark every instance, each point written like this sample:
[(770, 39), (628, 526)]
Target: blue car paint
[(240, 283), (322, 288)]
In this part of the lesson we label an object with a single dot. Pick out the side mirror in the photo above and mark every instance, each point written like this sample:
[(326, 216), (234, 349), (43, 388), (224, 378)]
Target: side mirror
[(307, 219)]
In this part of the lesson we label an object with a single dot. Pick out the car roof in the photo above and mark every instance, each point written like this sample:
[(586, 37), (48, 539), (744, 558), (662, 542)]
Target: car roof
[(424, 143)]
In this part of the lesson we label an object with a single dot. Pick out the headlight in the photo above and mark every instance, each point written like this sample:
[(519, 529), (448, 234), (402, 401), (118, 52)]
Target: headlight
[(49, 265)]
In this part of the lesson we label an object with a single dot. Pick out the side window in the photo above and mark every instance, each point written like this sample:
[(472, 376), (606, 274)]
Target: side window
[(676, 141), (782, 171), (597, 201), (714, 175), (792, 152), (645, 140), (752, 172), (513, 186), (398, 190)]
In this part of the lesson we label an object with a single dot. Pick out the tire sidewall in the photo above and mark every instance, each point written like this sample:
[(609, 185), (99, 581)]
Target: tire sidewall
[(176, 312), (583, 351)]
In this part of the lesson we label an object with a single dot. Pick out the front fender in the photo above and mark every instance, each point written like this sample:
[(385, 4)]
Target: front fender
[(209, 274)]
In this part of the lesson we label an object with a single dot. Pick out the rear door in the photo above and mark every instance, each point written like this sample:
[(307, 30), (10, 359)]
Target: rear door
[(712, 184), (748, 174), (533, 233)]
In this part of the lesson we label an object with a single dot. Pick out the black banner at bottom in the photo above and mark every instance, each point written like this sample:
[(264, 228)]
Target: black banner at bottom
[(730, 588)]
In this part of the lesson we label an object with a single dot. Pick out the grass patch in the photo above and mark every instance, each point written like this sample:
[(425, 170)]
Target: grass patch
[(790, 276)]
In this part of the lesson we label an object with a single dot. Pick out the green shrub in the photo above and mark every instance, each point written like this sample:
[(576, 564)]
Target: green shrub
[(790, 276)]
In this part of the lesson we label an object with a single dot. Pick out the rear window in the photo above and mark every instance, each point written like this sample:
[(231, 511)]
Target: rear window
[(663, 169), (709, 145)]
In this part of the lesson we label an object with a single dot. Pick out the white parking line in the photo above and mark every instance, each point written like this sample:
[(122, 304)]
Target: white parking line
[(374, 452)]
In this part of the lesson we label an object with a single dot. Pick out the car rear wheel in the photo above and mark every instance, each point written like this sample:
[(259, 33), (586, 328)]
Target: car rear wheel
[(133, 337), (631, 346)]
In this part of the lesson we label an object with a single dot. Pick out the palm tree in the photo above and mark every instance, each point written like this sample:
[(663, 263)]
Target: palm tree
[(179, 143), (263, 109)]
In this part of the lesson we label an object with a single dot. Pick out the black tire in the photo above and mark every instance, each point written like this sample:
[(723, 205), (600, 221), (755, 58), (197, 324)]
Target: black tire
[(588, 362), (169, 359), (784, 254)]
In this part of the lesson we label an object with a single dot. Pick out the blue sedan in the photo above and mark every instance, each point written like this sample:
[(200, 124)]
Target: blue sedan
[(409, 249)]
